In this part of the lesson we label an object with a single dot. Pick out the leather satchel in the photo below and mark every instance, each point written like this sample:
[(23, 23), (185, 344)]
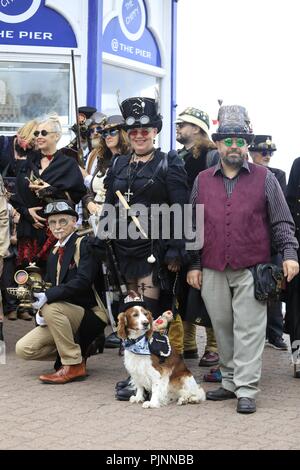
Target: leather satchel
[(268, 280)]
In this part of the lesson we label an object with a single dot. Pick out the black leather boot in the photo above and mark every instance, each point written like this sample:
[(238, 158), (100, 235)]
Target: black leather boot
[(1, 332), (112, 341)]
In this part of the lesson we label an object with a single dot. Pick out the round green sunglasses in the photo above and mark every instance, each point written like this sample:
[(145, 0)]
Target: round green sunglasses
[(239, 141)]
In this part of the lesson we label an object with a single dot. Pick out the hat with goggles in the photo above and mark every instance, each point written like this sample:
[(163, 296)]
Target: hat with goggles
[(262, 143), (141, 112), (233, 122), (60, 207)]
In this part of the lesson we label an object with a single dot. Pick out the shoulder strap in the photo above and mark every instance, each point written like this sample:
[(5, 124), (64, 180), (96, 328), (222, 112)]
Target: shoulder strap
[(163, 165), (77, 259)]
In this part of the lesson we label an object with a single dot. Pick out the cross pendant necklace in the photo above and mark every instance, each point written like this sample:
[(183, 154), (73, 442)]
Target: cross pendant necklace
[(128, 194)]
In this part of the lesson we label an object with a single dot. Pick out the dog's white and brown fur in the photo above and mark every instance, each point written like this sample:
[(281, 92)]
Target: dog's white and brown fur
[(166, 381)]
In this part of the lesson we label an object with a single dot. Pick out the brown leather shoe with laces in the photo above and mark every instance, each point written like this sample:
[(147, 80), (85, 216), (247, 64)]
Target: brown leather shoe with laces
[(66, 374)]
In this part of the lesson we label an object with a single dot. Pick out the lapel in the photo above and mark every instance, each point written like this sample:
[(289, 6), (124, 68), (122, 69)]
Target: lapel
[(52, 267), (68, 255)]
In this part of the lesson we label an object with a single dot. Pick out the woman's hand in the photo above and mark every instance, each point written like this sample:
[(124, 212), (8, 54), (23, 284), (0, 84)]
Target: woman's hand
[(194, 278), (38, 220), (174, 266), (93, 208)]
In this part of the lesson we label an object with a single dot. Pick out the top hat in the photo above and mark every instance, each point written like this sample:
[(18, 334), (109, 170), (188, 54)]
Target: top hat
[(60, 207), (141, 112), (132, 300), (262, 142), (115, 121), (194, 116), (233, 122), (87, 111)]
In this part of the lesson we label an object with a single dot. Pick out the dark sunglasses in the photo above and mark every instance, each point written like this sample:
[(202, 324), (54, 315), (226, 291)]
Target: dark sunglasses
[(144, 131), (96, 130), (180, 125), (266, 153), (43, 133), (111, 133)]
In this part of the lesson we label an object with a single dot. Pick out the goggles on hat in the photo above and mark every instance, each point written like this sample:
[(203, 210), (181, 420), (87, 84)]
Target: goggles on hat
[(239, 141), (57, 206), (109, 133), (143, 120), (265, 146), (144, 131)]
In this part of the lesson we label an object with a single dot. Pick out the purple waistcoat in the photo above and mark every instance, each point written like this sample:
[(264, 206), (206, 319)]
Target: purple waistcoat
[(236, 229)]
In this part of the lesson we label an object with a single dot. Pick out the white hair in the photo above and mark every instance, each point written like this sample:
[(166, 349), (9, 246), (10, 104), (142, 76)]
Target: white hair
[(53, 120)]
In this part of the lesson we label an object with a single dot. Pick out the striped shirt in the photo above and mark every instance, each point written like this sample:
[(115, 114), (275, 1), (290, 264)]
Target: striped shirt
[(280, 219)]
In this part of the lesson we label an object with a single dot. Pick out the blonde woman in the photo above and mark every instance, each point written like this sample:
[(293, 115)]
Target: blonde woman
[(46, 176)]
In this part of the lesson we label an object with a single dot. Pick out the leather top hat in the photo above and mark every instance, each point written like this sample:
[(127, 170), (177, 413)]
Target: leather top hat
[(141, 112), (262, 142), (86, 111), (115, 121), (233, 122), (194, 116), (60, 207)]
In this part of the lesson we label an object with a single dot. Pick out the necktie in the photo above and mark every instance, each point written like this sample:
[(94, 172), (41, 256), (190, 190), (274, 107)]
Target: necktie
[(61, 251)]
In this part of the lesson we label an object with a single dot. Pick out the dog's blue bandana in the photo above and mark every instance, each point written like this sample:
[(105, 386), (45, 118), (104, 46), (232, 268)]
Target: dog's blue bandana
[(138, 346), (158, 345)]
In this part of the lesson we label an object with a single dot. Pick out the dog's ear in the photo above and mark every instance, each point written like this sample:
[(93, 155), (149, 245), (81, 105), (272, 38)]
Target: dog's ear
[(122, 324), (150, 320)]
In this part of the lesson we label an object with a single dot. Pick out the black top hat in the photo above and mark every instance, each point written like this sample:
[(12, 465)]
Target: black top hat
[(141, 112), (233, 122), (60, 207), (262, 142), (87, 111)]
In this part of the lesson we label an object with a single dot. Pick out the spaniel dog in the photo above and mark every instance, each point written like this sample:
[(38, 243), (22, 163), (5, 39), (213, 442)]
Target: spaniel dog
[(165, 380)]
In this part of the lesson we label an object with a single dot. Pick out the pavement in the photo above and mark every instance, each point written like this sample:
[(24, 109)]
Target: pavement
[(85, 415)]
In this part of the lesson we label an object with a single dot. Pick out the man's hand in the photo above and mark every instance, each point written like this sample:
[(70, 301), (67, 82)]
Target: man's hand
[(194, 278), (38, 220), (42, 300), (290, 269), (174, 266)]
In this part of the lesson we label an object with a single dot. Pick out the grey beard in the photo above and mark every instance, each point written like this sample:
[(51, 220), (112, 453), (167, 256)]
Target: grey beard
[(235, 162), (95, 142)]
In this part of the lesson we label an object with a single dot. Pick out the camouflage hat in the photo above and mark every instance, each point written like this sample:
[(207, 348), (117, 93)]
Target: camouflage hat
[(195, 116)]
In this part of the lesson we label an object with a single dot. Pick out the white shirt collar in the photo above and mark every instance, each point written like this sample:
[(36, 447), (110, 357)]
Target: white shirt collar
[(65, 240)]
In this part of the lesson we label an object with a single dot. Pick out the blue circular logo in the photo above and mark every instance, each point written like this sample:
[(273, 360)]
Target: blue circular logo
[(132, 18), (15, 7), (17, 11)]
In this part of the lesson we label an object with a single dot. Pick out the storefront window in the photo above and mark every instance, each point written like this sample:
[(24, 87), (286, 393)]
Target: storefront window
[(129, 82), (30, 90)]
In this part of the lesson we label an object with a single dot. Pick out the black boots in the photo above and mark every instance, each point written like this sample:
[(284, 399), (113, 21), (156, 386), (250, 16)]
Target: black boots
[(1, 332)]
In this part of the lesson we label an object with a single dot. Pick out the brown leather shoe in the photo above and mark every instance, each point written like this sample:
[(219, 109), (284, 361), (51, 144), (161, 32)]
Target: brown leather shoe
[(12, 315), (66, 374), (24, 316)]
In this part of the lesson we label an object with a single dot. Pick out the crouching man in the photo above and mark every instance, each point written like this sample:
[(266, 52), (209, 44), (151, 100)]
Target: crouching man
[(72, 307)]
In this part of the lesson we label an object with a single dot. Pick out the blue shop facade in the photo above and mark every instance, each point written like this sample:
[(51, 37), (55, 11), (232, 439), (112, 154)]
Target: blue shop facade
[(125, 45)]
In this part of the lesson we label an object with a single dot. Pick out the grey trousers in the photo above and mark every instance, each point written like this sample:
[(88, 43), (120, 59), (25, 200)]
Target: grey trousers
[(239, 322)]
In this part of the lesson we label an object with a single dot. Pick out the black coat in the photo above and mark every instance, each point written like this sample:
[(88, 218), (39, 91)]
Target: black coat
[(292, 295), (75, 282), (65, 179)]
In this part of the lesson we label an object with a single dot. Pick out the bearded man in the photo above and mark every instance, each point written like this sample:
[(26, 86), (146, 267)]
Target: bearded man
[(244, 212)]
